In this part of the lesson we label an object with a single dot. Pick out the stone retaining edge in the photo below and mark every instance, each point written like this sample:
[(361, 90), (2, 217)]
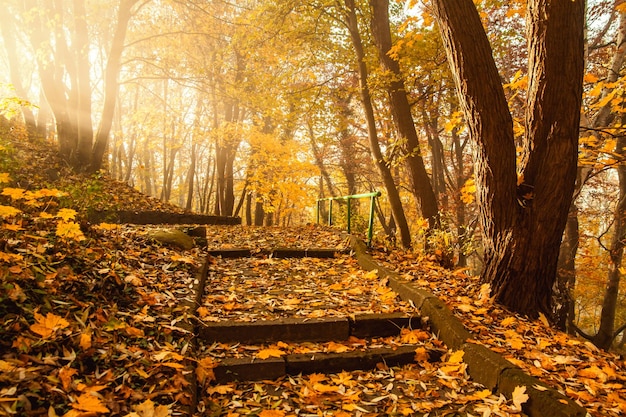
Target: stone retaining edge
[(483, 365), (189, 306)]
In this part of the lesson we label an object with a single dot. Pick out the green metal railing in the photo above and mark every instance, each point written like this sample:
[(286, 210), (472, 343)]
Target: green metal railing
[(347, 199)]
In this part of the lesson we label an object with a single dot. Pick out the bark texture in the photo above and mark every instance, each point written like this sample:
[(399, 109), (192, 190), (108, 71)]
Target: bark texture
[(522, 224)]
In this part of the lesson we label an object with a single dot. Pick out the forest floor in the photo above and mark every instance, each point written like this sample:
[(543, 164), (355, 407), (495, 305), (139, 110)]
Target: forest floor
[(94, 317)]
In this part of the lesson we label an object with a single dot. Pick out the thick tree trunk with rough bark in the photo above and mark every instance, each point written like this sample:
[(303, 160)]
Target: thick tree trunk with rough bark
[(522, 224)]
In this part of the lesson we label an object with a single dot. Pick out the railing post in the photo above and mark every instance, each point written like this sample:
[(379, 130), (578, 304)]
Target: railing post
[(370, 227), (349, 214), (372, 197), (319, 203), (330, 212)]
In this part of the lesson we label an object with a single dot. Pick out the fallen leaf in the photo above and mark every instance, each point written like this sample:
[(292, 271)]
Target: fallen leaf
[(204, 370), (270, 352), (272, 413), (48, 325), (89, 403), (519, 397), (148, 409), (65, 375)]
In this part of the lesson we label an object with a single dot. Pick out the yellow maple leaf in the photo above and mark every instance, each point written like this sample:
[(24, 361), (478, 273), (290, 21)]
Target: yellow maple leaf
[(14, 193), (48, 325), (468, 191), (47, 192), (5, 177), (66, 214), (69, 230), (270, 352), (413, 336), (313, 378), (8, 211)]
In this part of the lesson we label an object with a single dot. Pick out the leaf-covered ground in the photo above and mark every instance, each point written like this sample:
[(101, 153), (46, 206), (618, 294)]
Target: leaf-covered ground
[(94, 317), (595, 379)]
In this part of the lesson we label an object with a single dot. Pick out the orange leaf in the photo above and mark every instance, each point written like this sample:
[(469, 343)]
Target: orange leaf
[(89, 403), (413, 336), (270, 352), (204, 371), (48, 325), (272, 413), (85, 339), (65, 375), (337, 347), (456, 357), (133, 331), (147, 409)]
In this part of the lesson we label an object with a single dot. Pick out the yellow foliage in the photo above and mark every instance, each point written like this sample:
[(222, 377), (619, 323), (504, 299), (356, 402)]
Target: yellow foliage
[(4, 177), (8, 211), (468, 191), (66, 214), (14, 193), (69, 230)]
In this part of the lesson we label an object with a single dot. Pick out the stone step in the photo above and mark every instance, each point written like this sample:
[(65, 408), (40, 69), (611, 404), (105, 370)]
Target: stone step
[(277, 252), (254, 369), (307, 330)]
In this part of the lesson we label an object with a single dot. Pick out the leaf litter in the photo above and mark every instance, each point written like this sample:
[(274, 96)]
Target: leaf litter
[(263, 288), (95, 326), (594, 378)]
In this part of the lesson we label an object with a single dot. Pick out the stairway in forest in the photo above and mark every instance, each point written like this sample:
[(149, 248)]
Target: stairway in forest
[(286, 344)]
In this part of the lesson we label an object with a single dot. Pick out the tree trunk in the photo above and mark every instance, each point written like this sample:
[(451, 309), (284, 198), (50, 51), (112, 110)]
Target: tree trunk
[(390, 186), (191, 174), (604, 338), (319, 161), (83, 86), (7, 29), (401, 112), (564, 307), (110, 84), (522, 226)]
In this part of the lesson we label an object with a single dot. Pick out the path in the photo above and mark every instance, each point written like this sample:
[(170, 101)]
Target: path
[(294, 330)]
